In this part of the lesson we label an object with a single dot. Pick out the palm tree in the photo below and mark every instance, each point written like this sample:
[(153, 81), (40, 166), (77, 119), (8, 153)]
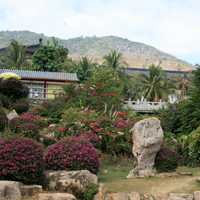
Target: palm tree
[(16, 54), (156, 86), (84, 68), (114, 60)]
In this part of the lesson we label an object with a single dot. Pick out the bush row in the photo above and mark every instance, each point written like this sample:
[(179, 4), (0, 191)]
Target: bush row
[(24, 160)]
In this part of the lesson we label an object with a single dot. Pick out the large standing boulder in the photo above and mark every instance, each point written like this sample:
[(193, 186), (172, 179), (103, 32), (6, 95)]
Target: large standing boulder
[(147, 140), (10, 190), (70, 181)]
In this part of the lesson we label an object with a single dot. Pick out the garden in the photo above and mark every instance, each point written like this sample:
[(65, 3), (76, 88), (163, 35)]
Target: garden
[(88, 128)]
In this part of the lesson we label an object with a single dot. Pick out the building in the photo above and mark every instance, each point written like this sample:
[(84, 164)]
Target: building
[(44, 85), (170, 73)]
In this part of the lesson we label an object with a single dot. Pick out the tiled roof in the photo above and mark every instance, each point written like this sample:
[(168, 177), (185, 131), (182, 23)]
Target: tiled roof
[(55, 76)]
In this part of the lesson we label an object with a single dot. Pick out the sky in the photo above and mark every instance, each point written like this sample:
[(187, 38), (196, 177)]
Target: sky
[(169, 25)]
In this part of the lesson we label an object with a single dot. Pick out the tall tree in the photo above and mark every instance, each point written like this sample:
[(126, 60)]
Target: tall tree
[(114, 60), (50, 57), (84, 68), (156, 86), (16, 55)]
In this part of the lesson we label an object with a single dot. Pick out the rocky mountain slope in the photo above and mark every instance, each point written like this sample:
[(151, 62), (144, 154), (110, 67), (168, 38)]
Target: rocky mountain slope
[(135, 54)]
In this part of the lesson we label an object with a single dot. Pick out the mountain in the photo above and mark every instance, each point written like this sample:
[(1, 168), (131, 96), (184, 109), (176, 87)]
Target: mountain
[(135, 54)]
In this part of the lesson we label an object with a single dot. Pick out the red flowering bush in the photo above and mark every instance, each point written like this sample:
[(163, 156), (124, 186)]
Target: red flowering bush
[(72, 153), (21, 160), (121, 123)]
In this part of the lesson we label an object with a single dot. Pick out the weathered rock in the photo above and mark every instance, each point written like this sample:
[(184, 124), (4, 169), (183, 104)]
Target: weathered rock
[(101, 193), (180, 196), (30, 190), (185, 173), (55, 196), (147, 140), (197, 195), (10, 190), (70, 181), (11, 115), (123, 196)]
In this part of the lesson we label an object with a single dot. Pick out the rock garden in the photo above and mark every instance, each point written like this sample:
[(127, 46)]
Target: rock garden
[(84, 145)]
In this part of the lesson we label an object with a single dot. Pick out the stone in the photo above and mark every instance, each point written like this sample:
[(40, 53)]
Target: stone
[(55, 196), (198, 179), (10, 190), (197, 195), (123, 196), (147, 140), (180, 196), (30, 190), (70, 181), (101, 193), (11, 115), (185, 173)]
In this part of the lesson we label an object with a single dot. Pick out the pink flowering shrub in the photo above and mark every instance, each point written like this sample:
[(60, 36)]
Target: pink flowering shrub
[(72, 153), (21, 160)]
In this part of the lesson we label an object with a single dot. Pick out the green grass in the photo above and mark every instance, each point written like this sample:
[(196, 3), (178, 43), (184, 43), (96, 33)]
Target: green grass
[(114, 171)]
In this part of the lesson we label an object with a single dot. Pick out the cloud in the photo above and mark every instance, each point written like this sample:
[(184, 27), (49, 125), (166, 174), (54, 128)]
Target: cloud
[(171, 26)]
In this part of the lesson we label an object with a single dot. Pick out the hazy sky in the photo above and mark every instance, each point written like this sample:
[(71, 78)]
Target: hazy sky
[(170, 25)]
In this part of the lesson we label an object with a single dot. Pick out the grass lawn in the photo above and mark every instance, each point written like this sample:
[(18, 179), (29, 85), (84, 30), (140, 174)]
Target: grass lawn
[(114, 171)]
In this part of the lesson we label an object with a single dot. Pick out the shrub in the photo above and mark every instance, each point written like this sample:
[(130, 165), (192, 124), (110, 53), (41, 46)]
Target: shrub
[(29, 130), (5, 101), (3, 119), (72, 153), (90, 192), (53, 109), (21, 160), (166, 160), (21, 106), (13, 88)]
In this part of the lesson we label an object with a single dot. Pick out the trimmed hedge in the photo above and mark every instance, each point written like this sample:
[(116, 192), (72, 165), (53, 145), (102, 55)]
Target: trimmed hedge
[(21, 160), (72, 153)]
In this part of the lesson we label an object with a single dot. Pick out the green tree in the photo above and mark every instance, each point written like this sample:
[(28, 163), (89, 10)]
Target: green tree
[(50, 58), (114, 60), (156, 86), (84, 68), (16, 55)]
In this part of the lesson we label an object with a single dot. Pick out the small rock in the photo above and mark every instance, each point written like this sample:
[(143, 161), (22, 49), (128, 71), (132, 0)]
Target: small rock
[(123, 196), (185, 173), (11, 115), (10, 190), (101, 193), (197, 195), (30, 190), (180, 196), (55, 196), (198, 179)]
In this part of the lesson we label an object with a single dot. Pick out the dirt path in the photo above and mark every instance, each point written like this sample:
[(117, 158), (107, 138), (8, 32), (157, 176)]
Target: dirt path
[(155, 186)]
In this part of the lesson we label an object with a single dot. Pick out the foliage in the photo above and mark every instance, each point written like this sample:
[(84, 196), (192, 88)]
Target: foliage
[(113, 60), (49, 58), (90, 192), (21, 160), (104, 89), (15, 55), (13, 88), (155, 85), (9, 75), (166, 160), (21, 106), (84, 68), (3, 119), (72, 153), (53, 109), (27, 124), (189, 147)]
